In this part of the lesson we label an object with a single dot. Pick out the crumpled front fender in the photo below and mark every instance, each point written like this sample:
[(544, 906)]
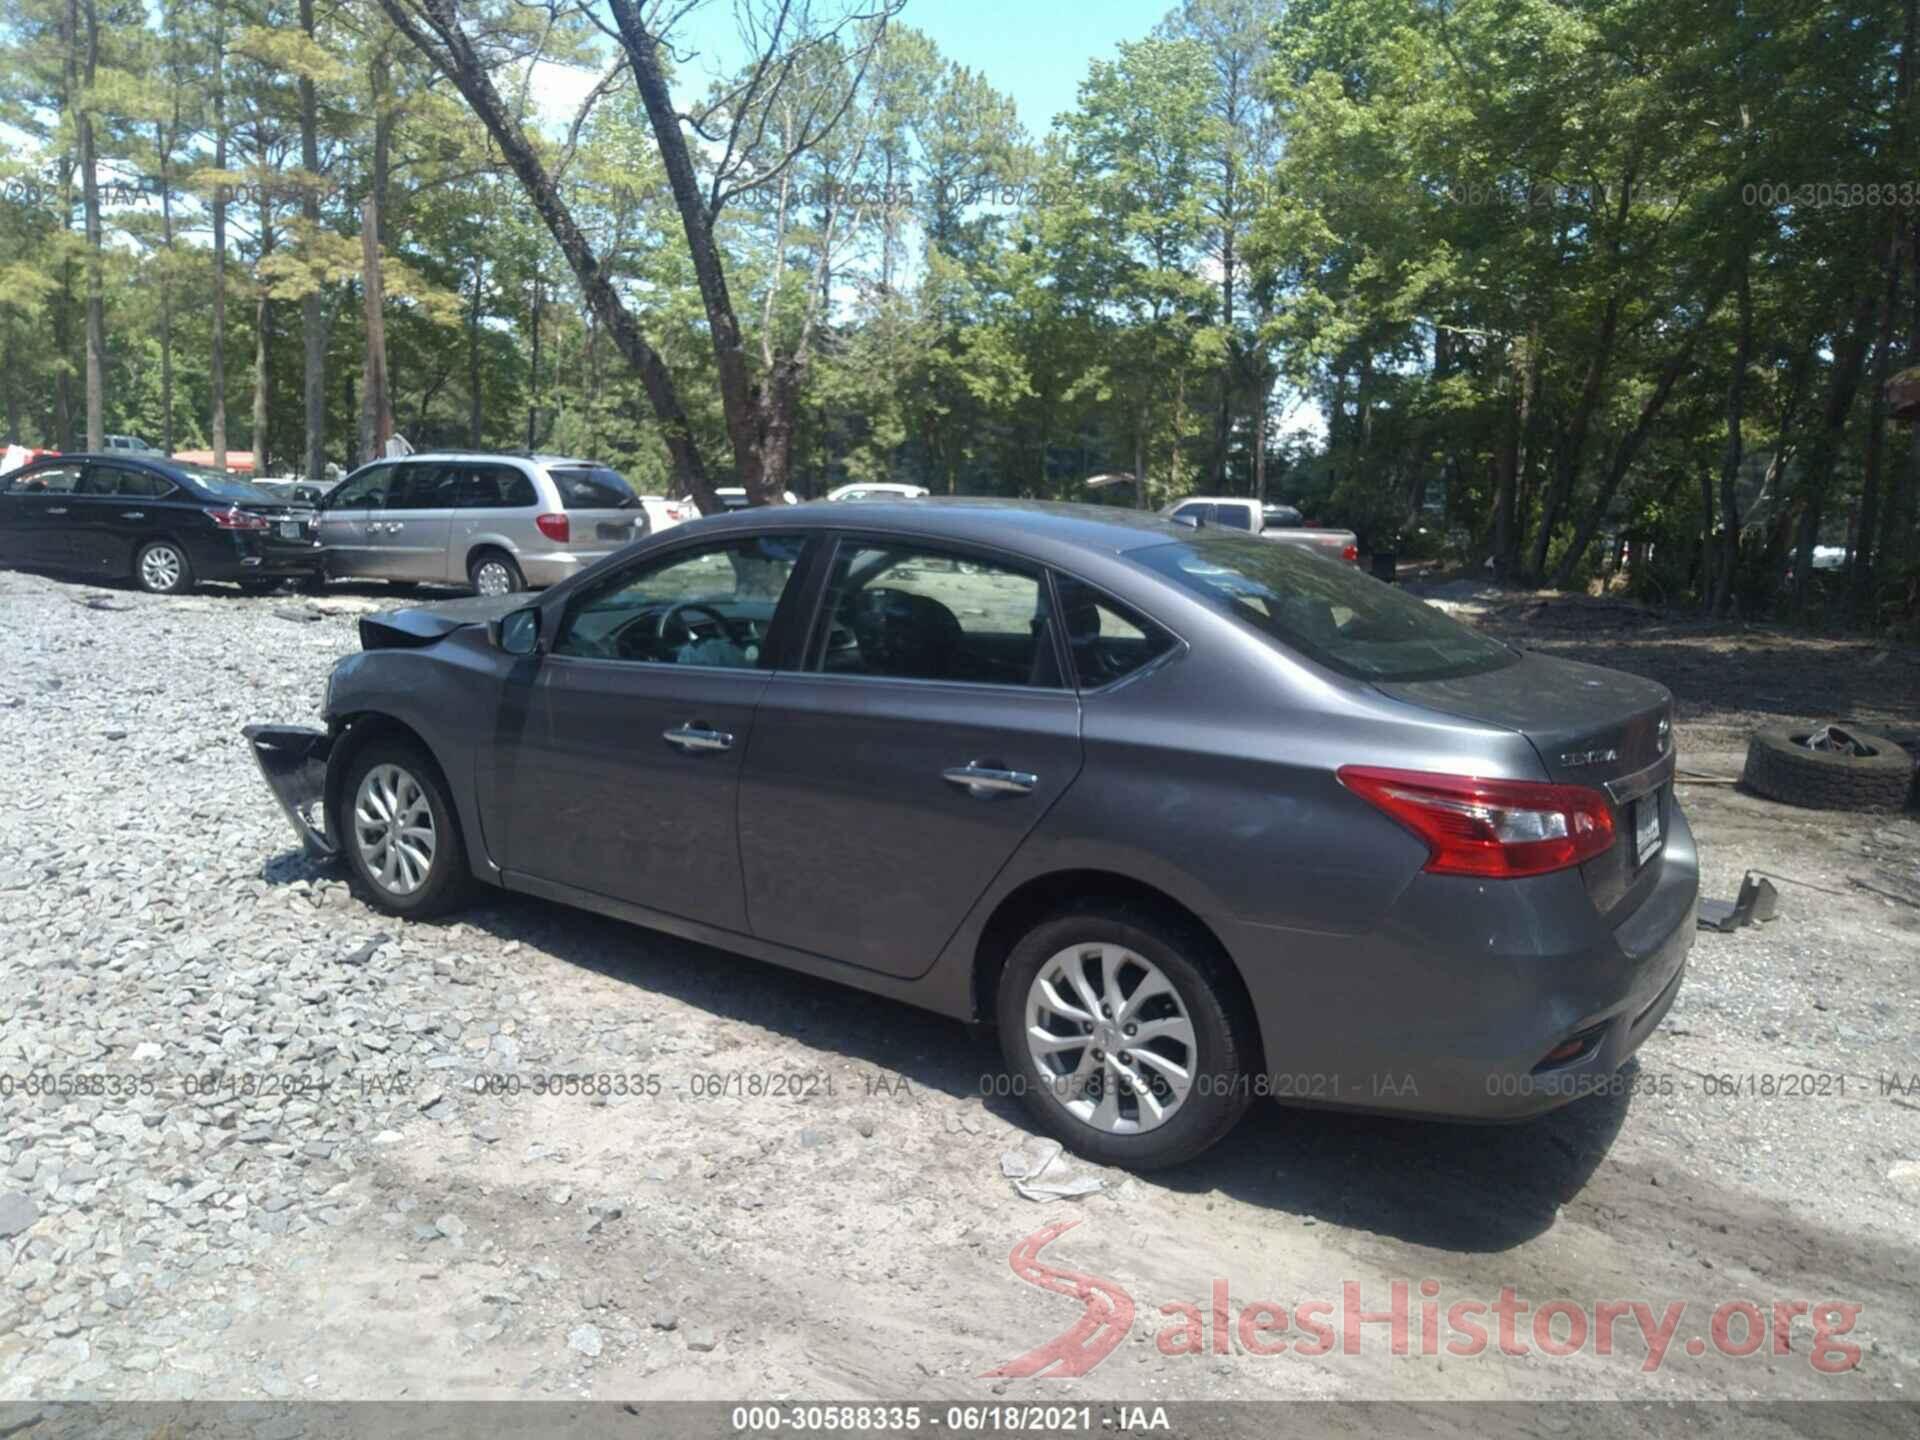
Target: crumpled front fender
[(293, 761)]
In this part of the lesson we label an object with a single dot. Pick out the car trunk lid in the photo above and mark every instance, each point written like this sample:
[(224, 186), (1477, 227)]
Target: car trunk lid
[(1590, 726)]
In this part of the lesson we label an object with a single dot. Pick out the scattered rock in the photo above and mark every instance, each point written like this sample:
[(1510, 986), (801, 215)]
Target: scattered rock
[(585, 1339), (17, 1214), (702, 1338)]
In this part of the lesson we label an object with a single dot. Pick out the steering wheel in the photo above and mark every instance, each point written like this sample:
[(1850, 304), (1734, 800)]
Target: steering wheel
[(673, 613)]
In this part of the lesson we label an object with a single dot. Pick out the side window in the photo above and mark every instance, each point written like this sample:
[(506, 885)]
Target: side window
[(422, 487), (49, 480), (1202, 513), (1108, 640), (907, 613), (1233, 517), (100, 480), (491, 487), (710, 606), (144, 485), (366, 490)]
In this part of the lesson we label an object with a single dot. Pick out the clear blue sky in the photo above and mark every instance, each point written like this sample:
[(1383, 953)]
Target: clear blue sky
[(1033, 50)]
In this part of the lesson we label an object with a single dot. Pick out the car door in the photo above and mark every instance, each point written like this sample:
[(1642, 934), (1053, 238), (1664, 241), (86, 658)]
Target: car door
[(344, 517), (895, 772), (625, 779), (408, 539), (116, 509), (39, 516)]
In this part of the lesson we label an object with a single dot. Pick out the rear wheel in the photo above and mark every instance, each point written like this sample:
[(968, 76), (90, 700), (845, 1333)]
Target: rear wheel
[(494, 573), (162, 568), (1126, 1036), (399, 831)]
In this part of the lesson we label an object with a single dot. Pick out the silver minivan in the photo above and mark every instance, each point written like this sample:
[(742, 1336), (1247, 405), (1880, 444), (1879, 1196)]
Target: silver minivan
[(498, 523)]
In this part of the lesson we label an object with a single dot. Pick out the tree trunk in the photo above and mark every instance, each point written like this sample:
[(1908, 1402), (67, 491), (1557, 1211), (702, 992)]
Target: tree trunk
[(1573, 442), (376, 406), (533, 369), (217, 357), (1630, 445), (1860, 576), (96, 288), (262, 330), (1722, 596), (313, 312), (476, 408), (1223, 423), (1849, 356), (462, 65)]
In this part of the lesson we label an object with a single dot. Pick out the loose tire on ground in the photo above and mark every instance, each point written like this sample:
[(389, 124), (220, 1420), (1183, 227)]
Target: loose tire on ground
[(405, 769), (1224, 1049), (1781, 767)]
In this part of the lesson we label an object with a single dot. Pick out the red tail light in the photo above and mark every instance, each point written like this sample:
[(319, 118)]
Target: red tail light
[(234, 518), (1490, 827), (1351, 554), (554, 527)]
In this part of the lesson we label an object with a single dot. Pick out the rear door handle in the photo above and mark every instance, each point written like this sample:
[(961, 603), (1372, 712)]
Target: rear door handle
[(697, 739), (985, 781), (133, 514), (56, 510)]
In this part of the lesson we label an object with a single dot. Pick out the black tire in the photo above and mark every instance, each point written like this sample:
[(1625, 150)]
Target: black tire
[(447, 883), (1223, 1069), (483, 560), (1781, 767), (151, 571)]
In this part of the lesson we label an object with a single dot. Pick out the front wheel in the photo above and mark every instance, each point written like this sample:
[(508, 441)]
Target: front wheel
[(162, 569), (1126, 1036), (400, 832)]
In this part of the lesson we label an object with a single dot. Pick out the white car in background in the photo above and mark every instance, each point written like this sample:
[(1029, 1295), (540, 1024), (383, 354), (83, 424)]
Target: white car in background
[(664, 514), (1269, 521), (878, 490)]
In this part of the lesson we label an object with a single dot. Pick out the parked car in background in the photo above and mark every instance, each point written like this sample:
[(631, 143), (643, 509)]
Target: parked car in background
[(162, 525), (878, 490), (664, 514), (498, 523), (1272, 522), (734, 497), (132, 444), (1190, 816)]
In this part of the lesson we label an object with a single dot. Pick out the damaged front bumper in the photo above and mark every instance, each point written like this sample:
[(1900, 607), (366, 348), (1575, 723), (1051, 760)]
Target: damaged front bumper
[(293, 761)]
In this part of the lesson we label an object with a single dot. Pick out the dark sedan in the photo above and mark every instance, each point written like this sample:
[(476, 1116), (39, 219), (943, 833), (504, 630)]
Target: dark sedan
[(162, 525), (1191, 817)]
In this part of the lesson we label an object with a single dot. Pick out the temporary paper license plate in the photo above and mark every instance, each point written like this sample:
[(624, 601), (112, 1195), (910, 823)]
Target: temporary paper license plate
[(1646, 828)]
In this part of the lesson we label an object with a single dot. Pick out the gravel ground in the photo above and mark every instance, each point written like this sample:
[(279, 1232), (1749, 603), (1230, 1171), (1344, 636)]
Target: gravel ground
[(263, 1143)]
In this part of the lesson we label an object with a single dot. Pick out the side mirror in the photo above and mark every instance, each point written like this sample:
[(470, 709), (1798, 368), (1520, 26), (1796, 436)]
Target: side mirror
[(516, 633)]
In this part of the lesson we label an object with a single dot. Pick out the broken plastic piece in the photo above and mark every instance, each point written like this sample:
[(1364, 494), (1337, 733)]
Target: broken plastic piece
[(1758, 900)]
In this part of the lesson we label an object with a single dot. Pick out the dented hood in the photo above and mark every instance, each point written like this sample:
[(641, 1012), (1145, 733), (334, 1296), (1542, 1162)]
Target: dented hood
[(424, 624)]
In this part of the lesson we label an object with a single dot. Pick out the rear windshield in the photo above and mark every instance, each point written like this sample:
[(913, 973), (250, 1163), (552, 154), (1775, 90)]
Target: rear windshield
[(593, 487), (1324, 609), (222, 486)]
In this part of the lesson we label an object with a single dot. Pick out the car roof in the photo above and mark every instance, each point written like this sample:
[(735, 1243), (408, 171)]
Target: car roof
[(535, 459), (1032, 525)]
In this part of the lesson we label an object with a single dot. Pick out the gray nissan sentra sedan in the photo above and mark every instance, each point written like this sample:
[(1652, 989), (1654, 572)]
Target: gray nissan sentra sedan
[(1191, 817)]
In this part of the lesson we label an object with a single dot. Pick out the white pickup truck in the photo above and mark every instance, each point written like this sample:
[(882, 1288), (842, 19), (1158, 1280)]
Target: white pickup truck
[(1271, 522)]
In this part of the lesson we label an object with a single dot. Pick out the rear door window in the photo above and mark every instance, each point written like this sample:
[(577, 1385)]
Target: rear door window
[(1233, 517), (422, 487), (1107, 640), (592, 487)]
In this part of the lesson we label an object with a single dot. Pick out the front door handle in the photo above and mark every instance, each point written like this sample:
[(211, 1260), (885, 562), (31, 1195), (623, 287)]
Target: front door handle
[(698, 739), (56, 510), (133, 514), (985, 781)]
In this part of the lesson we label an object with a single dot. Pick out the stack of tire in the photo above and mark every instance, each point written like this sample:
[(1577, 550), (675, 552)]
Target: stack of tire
[(1875, 774)]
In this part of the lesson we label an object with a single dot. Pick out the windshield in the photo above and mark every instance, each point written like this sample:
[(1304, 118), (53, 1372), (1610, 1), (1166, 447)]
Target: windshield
[(1325, 610), (222, 486), (593, 487)]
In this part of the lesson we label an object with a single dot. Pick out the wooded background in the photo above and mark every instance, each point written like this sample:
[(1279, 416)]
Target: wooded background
[(1548, 281)]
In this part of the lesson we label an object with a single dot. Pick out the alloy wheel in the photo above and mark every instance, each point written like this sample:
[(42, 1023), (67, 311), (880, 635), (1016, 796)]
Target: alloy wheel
[(1110, 1038), (393, 828), (160, 568)]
